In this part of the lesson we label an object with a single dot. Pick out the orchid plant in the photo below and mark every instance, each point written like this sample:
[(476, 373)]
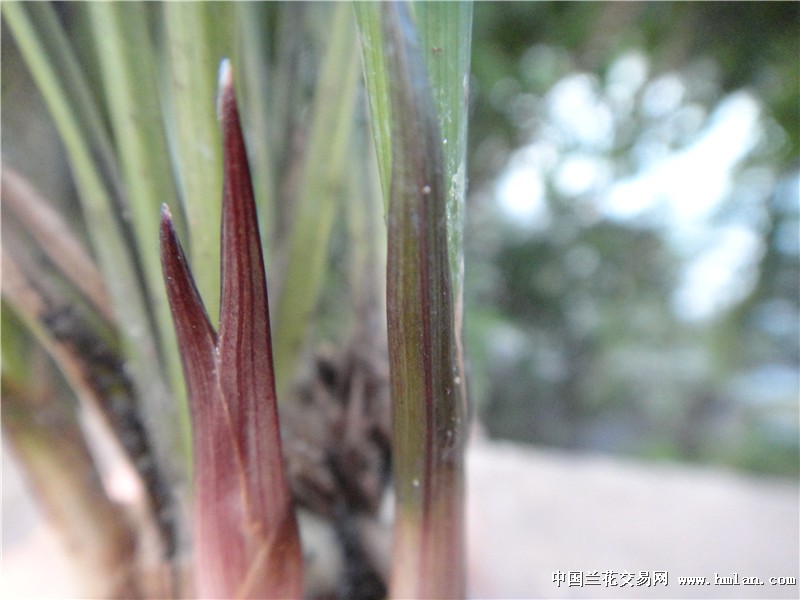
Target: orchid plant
[(246, 540), (267, 446)]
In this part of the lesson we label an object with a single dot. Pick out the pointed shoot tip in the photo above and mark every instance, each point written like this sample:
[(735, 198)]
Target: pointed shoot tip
[(165, 227), (224, 83)]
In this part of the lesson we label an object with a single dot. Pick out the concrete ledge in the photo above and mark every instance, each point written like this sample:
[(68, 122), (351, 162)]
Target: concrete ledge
[(532, 513)]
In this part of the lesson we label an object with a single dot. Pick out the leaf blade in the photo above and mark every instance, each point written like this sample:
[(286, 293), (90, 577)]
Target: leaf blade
[(324, 173), (65, 89), (198, 36), (427, 409), (195, 334), (376, 78), (219, 552)]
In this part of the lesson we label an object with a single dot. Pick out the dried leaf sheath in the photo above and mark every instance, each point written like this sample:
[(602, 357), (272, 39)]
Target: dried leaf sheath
[(246, 542)]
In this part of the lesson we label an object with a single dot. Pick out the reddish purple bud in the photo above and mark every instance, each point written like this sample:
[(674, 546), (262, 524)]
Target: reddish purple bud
[(245, 531)]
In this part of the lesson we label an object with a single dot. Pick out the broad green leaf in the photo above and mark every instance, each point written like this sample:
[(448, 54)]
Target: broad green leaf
[(199, 35), (125, 52), (445, 30), (376, 79), (257, 69), (323, 179)]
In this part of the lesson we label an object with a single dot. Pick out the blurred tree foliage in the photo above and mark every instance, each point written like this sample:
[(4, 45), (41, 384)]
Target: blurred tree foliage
[(573, 332), (751, 45)]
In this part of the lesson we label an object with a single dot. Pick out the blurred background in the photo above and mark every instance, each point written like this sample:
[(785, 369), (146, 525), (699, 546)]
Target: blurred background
[(632, 236)]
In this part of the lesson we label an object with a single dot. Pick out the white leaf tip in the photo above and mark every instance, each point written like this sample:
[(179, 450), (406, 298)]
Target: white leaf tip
[(224, 82)]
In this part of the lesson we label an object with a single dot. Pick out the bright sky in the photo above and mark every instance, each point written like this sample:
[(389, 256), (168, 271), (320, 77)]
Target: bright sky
[(684, 189)]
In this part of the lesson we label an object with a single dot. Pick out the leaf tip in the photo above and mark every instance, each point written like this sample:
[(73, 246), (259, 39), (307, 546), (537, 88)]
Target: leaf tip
[(166, 228), (166, 215), (224, 83), (168, 237)]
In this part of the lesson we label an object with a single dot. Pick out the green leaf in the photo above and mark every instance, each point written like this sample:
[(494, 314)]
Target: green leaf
[(257, 107), (126, 55), (427, 405), (376, 78), (323, 181), (445, 30), (63, 86), (198, 36)]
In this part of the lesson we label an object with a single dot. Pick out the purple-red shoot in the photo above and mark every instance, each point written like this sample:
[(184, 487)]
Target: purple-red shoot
[(245, 537)]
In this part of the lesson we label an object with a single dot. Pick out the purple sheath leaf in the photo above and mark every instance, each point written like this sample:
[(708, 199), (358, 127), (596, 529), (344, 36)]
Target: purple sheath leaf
[(215, 472), (246, 539), (246, 368), (196, 337)]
